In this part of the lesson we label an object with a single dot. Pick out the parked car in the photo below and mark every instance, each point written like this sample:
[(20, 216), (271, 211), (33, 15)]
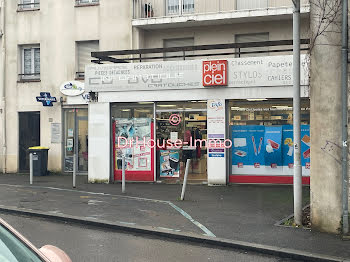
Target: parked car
[(16, 248)]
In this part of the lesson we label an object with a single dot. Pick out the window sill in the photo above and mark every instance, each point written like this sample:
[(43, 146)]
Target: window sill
[(84, 5), (27, 10), (28, 80)]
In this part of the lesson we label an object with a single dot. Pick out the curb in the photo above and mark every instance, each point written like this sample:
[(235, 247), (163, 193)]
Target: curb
[(192, 238)]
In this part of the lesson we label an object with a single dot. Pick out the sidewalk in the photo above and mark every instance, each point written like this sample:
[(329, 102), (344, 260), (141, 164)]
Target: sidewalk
[(238, 212)]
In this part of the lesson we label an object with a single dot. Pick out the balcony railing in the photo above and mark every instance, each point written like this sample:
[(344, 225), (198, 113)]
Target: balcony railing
[(29, 77), (164, 8), (86, 2), (29, 6)]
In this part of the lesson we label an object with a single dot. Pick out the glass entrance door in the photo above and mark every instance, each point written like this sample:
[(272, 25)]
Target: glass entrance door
[(76, 139), (179, 125)]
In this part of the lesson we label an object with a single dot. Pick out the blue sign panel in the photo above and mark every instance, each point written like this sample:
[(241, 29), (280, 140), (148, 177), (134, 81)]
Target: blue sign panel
[(248, 145), (305, 146), (287, 146), (269, 146), (46, 99), (273, 148)]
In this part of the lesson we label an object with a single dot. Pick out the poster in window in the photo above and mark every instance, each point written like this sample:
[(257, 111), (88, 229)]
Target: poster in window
[(169, 163), (137, 154)]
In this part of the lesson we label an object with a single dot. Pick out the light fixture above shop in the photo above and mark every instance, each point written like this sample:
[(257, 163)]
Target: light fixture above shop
[(235, 107), (125, 110), (256, 99), (282, 107), (166, 105)]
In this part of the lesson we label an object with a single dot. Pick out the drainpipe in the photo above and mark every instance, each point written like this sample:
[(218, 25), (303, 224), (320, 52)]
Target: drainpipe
[(297, 181), (2, 89), (344, 84)]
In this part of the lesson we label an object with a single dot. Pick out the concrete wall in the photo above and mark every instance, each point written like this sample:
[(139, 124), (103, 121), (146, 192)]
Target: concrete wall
[(225, 33), (99, 142), (56, 27), (325, 84)]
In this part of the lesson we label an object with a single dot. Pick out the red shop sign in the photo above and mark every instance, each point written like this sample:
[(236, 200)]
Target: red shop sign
[(215, 73)]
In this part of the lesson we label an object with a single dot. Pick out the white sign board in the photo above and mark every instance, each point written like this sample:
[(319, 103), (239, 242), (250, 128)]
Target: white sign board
[(72, 88), (242, 72), (216, 131), (55, 133)]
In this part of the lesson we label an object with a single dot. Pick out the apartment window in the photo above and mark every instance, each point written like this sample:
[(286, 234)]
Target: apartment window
[(246, 38), (84, 49), (30, 63), (251, 4), (28, 4), (86, 2), (179, 42), (177, 7)]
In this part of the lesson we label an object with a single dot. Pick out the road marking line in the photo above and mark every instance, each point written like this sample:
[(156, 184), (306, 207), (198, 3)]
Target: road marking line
[(186, 215), (178, 209), (127, 223)]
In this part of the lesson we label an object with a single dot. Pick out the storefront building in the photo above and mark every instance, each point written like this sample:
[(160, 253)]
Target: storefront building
[(232, 118)]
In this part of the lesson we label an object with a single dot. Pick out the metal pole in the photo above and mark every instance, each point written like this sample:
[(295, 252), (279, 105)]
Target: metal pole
[(74, 170), (31, 168), (123, 174), (297, 181), (3, 87), (345, 179), (185, 179)]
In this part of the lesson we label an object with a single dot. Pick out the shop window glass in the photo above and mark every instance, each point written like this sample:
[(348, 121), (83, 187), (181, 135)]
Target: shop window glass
[(76, 139), (262, 134), (133, 122), (185, 121)]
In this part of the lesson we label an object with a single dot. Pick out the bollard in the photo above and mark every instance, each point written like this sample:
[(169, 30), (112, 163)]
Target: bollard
[(31, 168), (123, 174), (185, 179), (74, 170)]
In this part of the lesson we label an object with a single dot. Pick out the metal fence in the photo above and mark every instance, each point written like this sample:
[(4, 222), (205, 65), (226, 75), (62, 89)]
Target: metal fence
[(163, 8)]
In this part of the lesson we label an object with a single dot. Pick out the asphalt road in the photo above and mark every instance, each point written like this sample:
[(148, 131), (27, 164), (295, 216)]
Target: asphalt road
[(85, 244)]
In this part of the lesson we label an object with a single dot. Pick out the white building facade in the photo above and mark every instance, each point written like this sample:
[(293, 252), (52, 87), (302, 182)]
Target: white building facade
[(42, 50), (45, 44)]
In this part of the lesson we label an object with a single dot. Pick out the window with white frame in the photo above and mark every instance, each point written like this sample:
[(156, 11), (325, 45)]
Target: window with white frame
[(178, 42), (187, 6), (177, 7), (251, 4), (30, 62), (28, 4), (84, 49), (252, 51), (86, 2)]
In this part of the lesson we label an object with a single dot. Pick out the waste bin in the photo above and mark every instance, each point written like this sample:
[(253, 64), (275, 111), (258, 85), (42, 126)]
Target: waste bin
[(40, 156)]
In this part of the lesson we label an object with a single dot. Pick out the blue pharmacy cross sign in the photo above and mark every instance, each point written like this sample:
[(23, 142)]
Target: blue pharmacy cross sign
[(46, 99)]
